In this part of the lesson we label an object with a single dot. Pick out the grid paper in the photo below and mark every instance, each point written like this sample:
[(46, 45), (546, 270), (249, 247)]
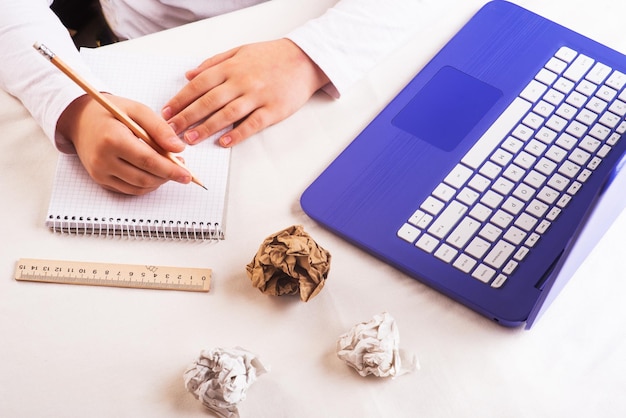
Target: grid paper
[(78, 204)]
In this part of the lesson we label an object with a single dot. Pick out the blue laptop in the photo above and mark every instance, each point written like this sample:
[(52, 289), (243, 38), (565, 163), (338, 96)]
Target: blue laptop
[(482, 177)]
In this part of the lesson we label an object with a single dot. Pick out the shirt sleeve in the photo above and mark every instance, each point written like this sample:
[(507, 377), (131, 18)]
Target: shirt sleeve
[(350, 38), (24, 73)]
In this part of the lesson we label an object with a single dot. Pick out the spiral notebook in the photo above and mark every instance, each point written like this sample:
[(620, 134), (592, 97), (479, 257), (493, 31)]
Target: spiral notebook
[(80, 206)]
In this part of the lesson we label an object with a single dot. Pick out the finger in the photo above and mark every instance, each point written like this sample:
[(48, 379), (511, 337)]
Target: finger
[(158, 130), (232, 112), (192, 91), (256, 121), (214, 102), (210, 62)]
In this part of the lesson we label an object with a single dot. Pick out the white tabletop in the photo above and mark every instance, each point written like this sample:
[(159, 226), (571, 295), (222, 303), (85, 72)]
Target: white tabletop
[(82, 351)]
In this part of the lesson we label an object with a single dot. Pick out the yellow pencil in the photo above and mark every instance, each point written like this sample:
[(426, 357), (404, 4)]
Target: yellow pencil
[(118, 113)]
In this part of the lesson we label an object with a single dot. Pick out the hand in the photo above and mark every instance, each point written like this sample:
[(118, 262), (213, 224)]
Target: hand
[(112, 155), (256, 85)]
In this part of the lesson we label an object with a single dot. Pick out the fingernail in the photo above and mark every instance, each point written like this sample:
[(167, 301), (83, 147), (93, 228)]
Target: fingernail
[(166, 112), (191, 136), (184, 179), (173, 126), (174, 140), (226, 140)]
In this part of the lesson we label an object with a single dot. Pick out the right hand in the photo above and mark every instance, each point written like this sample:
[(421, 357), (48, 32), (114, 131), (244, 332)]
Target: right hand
[(112, 155)]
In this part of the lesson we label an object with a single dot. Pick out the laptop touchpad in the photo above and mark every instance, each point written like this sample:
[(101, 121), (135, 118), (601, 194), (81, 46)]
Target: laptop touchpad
[(447, 108)]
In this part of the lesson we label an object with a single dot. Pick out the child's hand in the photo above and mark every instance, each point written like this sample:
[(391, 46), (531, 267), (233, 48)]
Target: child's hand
[(112, 155), (256, 85)]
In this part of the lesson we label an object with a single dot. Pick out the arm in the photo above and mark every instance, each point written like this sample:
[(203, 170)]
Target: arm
[(111, 154), (260, 84)]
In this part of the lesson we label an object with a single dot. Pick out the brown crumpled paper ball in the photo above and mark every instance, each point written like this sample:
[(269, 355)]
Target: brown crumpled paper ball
[(290, 262)]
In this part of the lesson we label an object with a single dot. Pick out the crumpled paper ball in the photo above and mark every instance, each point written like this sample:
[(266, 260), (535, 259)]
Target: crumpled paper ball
[(373, 348), (290, 262), (220, 378)]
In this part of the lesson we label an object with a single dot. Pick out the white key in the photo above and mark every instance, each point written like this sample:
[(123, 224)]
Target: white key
[(543, 108), (558, 182), (566, 54), (512, 145), (526, 222), (564, 200), (606, 93), (594, 163), (499, 254), (427, 243), (503, 186), (596, 105), (617, 80), (524, 192), (545, 76), (556, 153), (576, 99), (574, 188), (610, 119), (566, 111), (553, 214), (543, 227), (587, 117), (458, 176), (576, 129), (533, 91), (533, 120), (492, 137), (499, 281), (444, 192), (548, 195), (447, 219), (513, 205), (491, 199), (566, 141), (599, 131), (467, 196), (490, 232), (535, 147), (521, 253), (546, 166), (501, 218), (522, 132), (569, 169), (463, 232), (537, 208), (598, 73), (409, 233), (564, 85), (554, 97), (532, 240), (578, 68), (604, 151), (584, 175), (514, 173), (586, 87), (545, 135), (510, 267), (556, 123), (490, 170), (432, 205), (483, 273), (416, 217), (535, 179), (524, 160), (501, 157), (589, 144), (479, 183), (618, 107), (556, 65), (446, 253), (464, 263), (579, 156), (613, 139), (515, 235), (480, 212), (478, 247)]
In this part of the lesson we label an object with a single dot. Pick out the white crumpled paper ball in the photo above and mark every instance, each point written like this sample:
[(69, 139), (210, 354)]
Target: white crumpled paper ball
[(220, 378), (373, 348)]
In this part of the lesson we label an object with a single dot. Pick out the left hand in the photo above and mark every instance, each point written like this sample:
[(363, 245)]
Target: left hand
[(256, 85)]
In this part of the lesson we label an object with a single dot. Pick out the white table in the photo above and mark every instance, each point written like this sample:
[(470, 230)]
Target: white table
[(81, 351)]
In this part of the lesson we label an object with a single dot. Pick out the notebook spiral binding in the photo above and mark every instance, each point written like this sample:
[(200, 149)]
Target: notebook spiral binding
[(136, 229)]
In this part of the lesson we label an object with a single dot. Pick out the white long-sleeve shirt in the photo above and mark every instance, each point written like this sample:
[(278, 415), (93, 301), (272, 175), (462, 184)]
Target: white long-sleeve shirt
[(345, 42)]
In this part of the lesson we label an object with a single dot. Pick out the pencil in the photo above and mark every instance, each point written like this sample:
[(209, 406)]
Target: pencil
[(118, 113)]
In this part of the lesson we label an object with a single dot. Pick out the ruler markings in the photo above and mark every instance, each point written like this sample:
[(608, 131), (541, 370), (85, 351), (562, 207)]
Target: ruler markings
[(113, 274)]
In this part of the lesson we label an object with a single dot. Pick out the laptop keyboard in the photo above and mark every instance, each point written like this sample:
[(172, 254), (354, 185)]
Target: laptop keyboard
[(488, 213)]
